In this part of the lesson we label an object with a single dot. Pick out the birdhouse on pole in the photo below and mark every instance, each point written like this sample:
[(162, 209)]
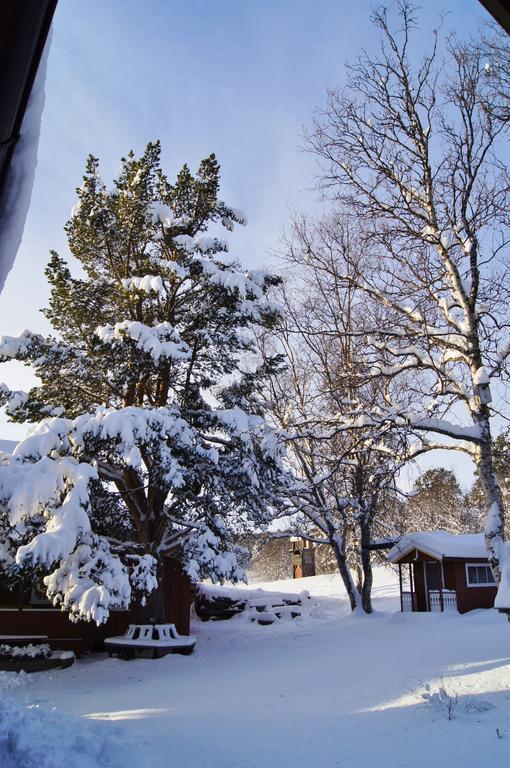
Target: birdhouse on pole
[(481, 386)]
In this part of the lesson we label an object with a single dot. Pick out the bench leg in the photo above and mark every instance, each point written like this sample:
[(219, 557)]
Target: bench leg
[(185, 651)]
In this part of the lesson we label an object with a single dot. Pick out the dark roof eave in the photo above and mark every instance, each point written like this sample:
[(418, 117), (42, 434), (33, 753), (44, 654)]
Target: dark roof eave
[(499, 11), (24, 28)]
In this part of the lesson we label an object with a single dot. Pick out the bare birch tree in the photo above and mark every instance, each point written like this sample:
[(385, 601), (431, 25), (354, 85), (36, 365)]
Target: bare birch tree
[(414, 154), (348, 474)]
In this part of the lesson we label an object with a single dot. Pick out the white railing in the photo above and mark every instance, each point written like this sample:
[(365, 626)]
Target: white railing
[(449, 600), (408, 601)]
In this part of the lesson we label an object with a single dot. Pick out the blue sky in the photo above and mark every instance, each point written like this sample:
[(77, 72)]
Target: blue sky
[(236, 77)]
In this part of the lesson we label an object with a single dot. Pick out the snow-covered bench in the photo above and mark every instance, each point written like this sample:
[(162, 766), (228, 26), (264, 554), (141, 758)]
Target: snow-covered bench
[(265, 607), (159, 639), (267, 611)]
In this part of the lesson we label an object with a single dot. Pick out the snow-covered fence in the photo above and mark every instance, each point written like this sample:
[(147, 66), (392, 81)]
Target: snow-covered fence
[(449, 602)]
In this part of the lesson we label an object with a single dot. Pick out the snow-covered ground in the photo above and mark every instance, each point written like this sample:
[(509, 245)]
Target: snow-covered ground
[(331, 690)]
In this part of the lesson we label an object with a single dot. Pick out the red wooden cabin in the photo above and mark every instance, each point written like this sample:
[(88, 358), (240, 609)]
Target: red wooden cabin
[(23, 613), (442, 571)]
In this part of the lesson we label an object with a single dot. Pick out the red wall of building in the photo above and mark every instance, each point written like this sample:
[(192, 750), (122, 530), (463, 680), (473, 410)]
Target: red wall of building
[(17, 617), (470, 598)]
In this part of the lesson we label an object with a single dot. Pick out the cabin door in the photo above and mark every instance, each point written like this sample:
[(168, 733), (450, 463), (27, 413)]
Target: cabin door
[(177, 596), (432, 578)]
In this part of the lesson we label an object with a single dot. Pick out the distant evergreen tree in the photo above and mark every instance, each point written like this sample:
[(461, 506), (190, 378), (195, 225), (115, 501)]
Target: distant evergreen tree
[(149, 429), (437, 503), (475, 498)]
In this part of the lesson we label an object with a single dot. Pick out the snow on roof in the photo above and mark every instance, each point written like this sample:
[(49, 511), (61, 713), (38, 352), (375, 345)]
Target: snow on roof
[(22, 173), (440, 544)]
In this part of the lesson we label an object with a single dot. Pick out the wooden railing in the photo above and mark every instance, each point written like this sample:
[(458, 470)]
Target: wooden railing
[(408, 601), (448, 602)]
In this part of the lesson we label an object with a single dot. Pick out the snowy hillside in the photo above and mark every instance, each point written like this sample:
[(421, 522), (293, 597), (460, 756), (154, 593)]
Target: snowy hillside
[(385, 592), (7, 446), (333, 690)]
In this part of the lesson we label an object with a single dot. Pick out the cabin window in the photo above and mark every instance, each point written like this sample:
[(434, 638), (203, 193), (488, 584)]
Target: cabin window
[(479, 575), (38, 597)]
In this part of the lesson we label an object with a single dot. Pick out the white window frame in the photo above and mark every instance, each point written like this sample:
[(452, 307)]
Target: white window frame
[(480, 584)]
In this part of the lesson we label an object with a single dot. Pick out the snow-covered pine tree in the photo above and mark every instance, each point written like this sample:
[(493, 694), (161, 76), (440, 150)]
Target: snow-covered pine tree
[(148, 431)]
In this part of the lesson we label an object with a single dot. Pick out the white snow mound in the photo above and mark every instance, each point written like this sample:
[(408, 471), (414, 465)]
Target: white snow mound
[(32, 738)]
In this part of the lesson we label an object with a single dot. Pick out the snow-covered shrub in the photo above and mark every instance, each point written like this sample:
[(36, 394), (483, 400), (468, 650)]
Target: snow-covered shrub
[(446, 699), (441, 700), (476, 705), (30, 651)]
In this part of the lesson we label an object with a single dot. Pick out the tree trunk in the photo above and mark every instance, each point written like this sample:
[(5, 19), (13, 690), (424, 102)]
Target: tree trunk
[(151, 609), (495, 520), (366, 563), (338, 548), (359, 576)]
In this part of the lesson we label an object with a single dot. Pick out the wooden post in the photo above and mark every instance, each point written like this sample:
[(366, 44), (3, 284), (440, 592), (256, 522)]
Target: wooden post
[(411, 581), (400, 582), (21, 602), (441, 587)]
